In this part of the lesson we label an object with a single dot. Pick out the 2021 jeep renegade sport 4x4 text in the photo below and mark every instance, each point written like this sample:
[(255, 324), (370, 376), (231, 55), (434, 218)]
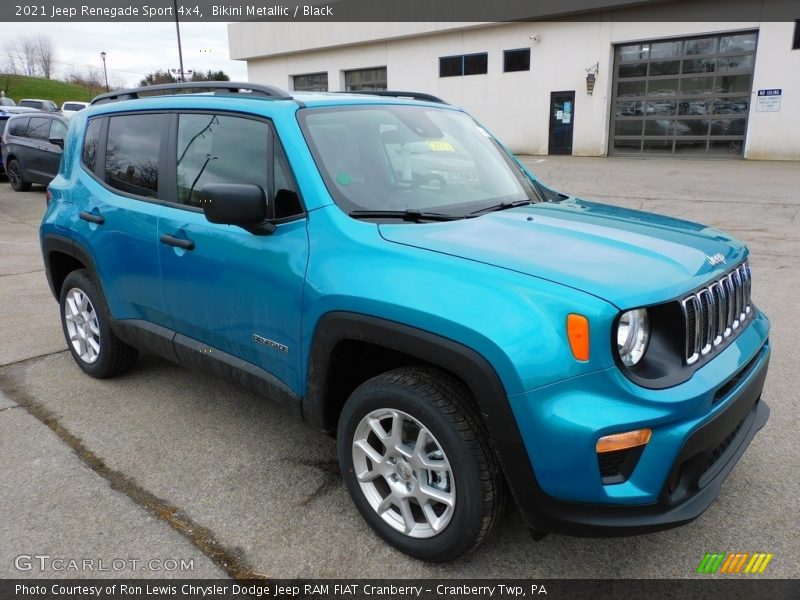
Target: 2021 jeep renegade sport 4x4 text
[(384, 269)]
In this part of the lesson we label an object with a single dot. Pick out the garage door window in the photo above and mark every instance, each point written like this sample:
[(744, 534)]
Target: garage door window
[(679, 96)]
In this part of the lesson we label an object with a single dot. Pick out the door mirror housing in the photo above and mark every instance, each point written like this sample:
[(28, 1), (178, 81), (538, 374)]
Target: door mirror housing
[(57, 142), (240, 204)]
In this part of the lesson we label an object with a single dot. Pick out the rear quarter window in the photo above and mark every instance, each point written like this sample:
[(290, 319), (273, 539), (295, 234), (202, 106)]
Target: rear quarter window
[(18, 127), (132, 153), (91, 144)]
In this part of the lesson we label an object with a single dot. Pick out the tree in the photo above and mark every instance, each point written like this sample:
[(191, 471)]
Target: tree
[(45, 54), (210, 76), (157, 78), (31, 56)]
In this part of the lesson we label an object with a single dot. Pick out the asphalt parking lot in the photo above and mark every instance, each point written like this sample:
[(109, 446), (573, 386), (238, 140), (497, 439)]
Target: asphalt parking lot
[(164, 463)]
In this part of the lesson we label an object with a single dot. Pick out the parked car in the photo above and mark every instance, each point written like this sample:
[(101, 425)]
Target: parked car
[(47, 105), (6, 112), (32, 147), (71, 107), (5, 101), (384, 269)]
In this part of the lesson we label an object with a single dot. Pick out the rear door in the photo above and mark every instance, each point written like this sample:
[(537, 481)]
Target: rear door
[(229, 289), (118, 201), (33, 149)]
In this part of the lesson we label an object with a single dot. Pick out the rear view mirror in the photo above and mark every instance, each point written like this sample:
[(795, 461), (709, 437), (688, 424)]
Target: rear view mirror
[(57, 142), (243, 205)]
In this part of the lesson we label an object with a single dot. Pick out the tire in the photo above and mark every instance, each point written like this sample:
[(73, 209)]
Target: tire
[(16, 178), (436, 504), (84, 320)]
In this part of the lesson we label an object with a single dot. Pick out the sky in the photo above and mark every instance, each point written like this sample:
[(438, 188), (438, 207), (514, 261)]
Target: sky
[(133, 49)]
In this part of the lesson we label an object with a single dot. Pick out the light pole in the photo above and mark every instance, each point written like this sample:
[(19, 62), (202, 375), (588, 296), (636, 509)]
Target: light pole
[(178, 30), (105, 72)]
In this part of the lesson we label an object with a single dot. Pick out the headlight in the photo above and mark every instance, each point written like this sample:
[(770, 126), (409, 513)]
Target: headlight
[(633, 333)]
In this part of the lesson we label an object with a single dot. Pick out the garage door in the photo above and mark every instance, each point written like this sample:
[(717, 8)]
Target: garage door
[(687, 96)]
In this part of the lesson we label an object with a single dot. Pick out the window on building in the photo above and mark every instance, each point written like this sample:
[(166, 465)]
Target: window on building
[(312, 82), (365, 80), (132, 152), (517, 60), (476, 64), (451, 66), (796, 41), (464, 64)]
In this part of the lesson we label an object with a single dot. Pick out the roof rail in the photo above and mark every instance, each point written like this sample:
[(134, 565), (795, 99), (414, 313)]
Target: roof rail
[(268, 92), (398, 94)]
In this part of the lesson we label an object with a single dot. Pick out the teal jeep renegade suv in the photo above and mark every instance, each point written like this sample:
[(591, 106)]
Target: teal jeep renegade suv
[(383, 268)]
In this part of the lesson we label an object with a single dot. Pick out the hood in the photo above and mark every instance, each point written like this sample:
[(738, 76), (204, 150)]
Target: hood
[(629, 258)]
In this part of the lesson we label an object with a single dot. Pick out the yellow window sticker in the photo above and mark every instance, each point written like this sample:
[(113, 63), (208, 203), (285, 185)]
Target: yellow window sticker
[(437, 146)]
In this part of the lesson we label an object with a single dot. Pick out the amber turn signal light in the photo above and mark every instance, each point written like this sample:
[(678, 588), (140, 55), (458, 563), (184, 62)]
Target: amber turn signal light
[(623, 441), (578, 335)]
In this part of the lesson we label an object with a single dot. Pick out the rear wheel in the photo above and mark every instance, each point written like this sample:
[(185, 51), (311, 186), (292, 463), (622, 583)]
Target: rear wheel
[(15, 177), (93, 345), (417, 464)]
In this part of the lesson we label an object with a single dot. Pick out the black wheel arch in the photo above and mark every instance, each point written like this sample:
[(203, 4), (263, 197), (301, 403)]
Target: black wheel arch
[(319, 409)]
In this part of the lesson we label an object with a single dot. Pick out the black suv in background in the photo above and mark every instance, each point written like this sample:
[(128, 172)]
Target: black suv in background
[(32, 147), (6, 112)]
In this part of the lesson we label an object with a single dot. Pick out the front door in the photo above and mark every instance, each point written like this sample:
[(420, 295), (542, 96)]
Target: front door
[(562, 119), (225, 287)]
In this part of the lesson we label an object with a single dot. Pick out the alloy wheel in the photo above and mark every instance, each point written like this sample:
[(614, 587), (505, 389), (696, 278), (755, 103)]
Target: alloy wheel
[(83, 327), (404, 473)]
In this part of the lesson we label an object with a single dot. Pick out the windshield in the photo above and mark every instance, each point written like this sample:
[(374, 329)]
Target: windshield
[(398, 158), (75, 107)]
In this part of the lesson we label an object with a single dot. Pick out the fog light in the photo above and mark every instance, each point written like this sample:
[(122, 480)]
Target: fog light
[(623, 441)]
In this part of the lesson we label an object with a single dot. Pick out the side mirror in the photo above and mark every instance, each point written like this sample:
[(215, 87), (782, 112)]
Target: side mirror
[(57, 142), (243, 205)]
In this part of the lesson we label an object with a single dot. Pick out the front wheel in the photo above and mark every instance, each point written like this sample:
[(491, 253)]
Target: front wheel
[(417, 464), (15, 177)]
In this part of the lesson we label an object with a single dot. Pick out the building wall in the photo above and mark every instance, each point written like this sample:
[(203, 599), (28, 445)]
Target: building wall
[(515, 106)]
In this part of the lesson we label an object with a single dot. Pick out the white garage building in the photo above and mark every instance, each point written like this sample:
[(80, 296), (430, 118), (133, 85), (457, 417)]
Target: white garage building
[(611, 84)]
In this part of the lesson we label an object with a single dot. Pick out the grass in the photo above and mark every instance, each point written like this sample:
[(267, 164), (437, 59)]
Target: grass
[(20, 86)]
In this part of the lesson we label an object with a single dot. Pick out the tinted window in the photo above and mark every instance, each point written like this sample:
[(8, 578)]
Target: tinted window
[(476, 64), (91, 143), (18, 127), (3, 125), (220, 149), (31, 104), (132, 153), (517, 60), (796, 40), (451, 66), (57, 130), (39, 128), (76, 107)]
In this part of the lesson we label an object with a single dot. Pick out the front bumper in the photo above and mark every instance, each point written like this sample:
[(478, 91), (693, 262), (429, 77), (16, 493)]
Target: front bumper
[(700, 430)]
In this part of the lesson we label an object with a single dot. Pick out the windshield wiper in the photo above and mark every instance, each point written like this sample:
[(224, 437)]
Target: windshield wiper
[(405, 215), (503, 206)]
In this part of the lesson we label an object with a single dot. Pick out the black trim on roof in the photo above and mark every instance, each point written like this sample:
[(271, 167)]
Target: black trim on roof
[(266, 92)]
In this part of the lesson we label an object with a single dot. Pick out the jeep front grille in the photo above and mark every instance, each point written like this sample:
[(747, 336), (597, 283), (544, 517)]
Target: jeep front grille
[(716, 312)]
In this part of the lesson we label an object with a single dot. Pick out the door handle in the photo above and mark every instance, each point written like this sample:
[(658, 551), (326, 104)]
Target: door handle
[(92, 218), (171, 240)]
